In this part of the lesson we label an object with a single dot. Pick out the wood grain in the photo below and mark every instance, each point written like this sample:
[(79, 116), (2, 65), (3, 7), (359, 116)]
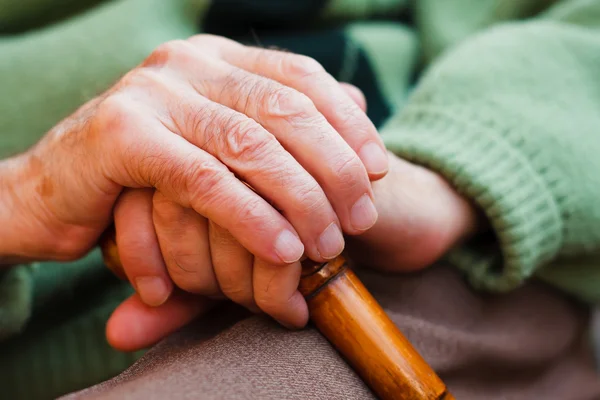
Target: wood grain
[(346, 313), (349, 317)]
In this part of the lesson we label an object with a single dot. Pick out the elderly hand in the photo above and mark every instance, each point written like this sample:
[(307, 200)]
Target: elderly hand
[(219, 265), (263, 144), (421, 218)]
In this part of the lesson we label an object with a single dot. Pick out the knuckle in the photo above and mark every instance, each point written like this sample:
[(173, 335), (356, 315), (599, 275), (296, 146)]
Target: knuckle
[(154, 166), (267, 300), (69, 248), (188, 261), (310, 197), (235, 291), (135, 243), (193, 181), (350, 172), (293, 106), (300, 66), (241, 88), (204, 125), (270, 301), (219, 239), (115, 114), (142, 77), (245, 139), (170, 51), (250, 213), (202, 182), (350, 113), (192, 271), (166, 211)]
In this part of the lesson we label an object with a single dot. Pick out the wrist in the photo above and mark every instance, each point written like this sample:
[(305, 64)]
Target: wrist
[(463, 218), (471, 219), (454, 217), (9, 173), (16, 242)]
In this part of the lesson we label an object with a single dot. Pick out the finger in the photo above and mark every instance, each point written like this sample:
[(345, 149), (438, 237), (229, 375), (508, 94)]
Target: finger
[(144, 154), (233, 267), (183, 237), (307, 76), (260, 160), (276, 293), (294, 121), (135, 326), (138, 247), (257, 157), (110, 253), (355, 94)]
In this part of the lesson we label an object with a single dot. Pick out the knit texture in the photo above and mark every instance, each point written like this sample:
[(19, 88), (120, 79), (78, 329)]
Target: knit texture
[(505, 107), (71, 62), (514, 129)]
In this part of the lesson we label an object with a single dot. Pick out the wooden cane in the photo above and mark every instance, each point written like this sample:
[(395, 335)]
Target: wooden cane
[(349, 317)]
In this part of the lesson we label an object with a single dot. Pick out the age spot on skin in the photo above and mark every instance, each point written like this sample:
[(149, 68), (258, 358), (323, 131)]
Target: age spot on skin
[(45, 189)]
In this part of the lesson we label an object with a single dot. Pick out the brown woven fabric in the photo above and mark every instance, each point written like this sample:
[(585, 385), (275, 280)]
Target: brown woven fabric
[(530, 344)]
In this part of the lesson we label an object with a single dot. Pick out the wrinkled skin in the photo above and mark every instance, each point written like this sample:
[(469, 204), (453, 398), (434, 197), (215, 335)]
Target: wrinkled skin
[(222, 165)]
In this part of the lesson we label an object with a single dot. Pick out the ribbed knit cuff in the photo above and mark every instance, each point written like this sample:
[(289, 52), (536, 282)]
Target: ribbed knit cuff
[(494, 174)]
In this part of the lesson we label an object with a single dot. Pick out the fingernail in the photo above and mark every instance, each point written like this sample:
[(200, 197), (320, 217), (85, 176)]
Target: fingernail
[(331, 242), (363, 214), (153, 290), (288, 247), (374, 158)]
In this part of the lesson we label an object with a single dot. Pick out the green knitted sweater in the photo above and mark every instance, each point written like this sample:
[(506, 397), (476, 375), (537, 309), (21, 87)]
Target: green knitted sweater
[(502, 97)]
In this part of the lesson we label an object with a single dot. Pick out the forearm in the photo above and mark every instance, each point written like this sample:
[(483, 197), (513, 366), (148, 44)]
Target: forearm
[(24, 234), (10, 211)]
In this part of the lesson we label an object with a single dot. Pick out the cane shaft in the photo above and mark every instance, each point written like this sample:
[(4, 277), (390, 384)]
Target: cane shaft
[(346, 313)]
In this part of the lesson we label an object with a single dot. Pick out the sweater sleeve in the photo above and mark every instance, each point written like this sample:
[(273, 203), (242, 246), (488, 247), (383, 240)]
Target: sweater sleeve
[(47, 73), (22, 15), (511, 117)]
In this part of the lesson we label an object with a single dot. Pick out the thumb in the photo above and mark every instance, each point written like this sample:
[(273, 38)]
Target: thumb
[(135, 325)]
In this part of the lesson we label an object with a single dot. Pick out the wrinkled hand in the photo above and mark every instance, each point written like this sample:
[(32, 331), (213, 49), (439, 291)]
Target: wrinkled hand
[(216, 266), (421, 217), (264, 144)]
